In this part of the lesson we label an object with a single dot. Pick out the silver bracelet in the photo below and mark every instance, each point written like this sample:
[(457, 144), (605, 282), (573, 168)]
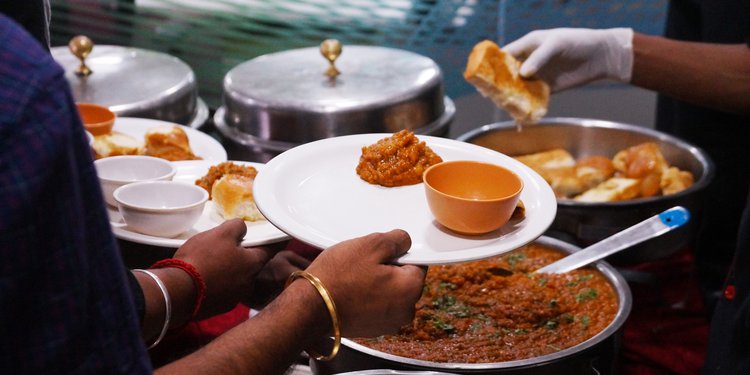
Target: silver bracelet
[(167, 303)]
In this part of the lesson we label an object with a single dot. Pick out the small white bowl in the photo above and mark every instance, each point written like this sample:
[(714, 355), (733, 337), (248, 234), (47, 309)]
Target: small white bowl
[(160, 208), (116, 171)]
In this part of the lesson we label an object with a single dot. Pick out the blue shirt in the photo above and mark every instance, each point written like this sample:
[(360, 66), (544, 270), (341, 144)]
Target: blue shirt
[(65, 303)]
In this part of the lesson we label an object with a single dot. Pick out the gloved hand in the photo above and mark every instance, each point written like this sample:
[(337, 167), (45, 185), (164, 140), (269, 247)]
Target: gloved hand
[(567, 57)]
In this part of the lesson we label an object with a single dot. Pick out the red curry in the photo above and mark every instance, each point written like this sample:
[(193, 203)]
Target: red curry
[(476, 313)]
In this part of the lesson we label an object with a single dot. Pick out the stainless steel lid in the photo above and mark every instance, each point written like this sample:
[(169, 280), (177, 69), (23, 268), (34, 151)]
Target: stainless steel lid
[(133, 82), (286, 98)]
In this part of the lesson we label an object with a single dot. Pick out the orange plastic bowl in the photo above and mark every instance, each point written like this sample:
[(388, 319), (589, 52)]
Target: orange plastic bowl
[(97, 119), (471, 197)]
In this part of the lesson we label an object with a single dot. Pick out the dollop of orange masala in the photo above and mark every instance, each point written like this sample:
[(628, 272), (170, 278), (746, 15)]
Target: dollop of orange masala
[(398, 160)]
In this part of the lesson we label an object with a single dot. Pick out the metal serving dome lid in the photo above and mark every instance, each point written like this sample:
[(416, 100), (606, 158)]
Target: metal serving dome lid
[(289, 97), (131, 81)]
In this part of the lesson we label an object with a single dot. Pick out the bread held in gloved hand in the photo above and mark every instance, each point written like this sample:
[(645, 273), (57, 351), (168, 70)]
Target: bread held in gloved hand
[(568, 57), (496, 76)]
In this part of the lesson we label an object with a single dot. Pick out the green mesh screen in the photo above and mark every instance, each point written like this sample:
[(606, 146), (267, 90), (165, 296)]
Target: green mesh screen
[(213, 36)]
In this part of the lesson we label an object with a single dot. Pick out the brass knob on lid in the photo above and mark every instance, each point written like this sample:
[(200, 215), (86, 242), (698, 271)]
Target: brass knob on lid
[(331, 50), (81, 47)]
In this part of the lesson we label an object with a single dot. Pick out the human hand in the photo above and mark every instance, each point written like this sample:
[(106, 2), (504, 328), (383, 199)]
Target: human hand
[(568, 57), (228, 269), (271, 279), (372, 296)]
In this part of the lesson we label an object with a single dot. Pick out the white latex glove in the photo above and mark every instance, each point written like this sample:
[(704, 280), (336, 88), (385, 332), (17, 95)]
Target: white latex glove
[(566, 57)]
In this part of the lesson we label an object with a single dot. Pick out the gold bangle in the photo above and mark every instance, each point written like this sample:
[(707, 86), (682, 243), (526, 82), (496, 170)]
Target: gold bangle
[(331, 310)]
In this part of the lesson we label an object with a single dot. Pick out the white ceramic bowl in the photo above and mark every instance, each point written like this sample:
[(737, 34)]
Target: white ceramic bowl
[(116, 171), (160, 208)]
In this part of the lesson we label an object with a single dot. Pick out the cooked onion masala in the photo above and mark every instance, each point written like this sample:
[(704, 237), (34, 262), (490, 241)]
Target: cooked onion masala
[(477, 313), (396, 161)]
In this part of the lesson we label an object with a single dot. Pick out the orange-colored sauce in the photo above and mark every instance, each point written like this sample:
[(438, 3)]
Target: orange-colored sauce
[(396, 161), (471, 313)]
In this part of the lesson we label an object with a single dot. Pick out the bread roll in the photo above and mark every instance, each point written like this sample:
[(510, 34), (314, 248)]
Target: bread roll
[(593, 170), (612, 190), (215, 172), (674, 180), (114, 144), (233, 198), (546, 160), (168, 142), (496, 76)]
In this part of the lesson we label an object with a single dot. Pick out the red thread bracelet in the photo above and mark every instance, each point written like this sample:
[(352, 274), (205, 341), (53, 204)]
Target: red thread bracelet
[(194, 274)]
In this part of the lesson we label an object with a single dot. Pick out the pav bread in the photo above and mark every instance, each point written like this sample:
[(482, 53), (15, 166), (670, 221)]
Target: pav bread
[(674, 180), (215, 172), (168, 142), (230, 187), (558, 168), (496, 76), (114, 144), (638, 171), (548, 160), (232, 195), (612, 190)]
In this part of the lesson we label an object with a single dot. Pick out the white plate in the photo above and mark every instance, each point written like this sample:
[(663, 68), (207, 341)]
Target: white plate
[(313, 193), (202, 144), (258, 232)]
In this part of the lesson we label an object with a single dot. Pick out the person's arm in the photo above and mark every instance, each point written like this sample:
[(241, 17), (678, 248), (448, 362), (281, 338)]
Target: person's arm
[(228, 270), (711, 75), (182, 293), (371, 295), (266, 344)]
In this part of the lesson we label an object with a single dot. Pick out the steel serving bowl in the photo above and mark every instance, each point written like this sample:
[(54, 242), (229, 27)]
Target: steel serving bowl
[(586, 223), (135, 82), (280, 100), (597, 355)]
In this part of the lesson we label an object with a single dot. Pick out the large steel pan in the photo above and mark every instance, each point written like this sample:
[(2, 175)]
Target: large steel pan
[(597, 355), (587, 223)]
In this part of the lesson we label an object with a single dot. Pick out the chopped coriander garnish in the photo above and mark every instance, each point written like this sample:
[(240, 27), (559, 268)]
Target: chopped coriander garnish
[(586, 294)]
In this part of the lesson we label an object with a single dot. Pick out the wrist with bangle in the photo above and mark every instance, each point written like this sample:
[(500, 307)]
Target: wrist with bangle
[(330, 305), (167, 305), (200, 284), (198, 281)]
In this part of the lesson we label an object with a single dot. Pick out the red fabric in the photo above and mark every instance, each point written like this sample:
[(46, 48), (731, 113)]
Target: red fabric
[(194, 335), (667, 331)]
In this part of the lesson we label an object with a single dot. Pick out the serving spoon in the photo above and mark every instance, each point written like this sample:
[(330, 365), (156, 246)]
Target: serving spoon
[(654, 226)]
